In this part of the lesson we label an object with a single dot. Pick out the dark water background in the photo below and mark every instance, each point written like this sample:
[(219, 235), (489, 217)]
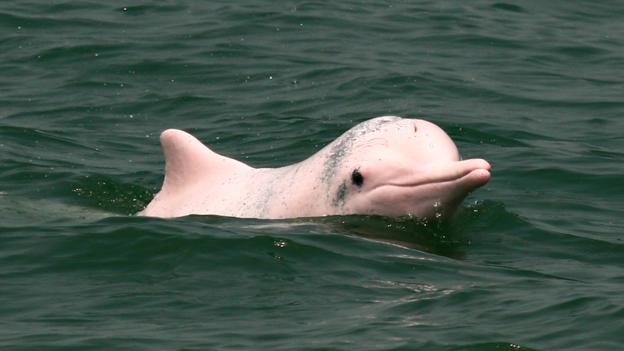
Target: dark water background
[(534, 261)]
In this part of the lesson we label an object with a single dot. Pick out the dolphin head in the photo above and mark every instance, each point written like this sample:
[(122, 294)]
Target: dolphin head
[(405, 167)]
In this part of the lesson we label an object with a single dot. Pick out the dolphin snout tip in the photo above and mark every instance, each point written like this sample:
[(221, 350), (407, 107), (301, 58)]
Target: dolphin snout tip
[(482, 164), (474, 164), (479, 173), (482, 175)]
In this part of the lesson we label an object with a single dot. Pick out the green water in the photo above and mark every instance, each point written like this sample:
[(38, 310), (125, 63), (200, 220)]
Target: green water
[(533, 261)]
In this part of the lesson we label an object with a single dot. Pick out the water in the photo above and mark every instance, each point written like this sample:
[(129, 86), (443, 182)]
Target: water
[(533, 261)]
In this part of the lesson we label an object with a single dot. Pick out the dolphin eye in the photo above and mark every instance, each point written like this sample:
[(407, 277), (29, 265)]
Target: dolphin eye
[(357, 178)]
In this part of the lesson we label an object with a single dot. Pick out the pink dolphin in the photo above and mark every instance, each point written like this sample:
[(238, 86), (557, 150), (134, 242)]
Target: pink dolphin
[(387, 166)]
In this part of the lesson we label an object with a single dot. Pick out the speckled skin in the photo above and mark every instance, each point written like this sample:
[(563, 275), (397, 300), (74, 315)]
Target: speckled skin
[(404, 166)]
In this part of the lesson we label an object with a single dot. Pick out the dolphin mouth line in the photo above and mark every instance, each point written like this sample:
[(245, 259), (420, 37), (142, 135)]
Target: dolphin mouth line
[(450, 178)]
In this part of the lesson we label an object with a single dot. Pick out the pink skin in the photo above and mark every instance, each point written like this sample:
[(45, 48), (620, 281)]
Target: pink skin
[(408, 168)]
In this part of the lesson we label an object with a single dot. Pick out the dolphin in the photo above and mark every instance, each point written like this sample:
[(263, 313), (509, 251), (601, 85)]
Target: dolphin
[(388, 166)]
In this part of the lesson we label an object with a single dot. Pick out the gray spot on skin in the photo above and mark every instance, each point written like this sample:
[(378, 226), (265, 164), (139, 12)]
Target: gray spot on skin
[(337, 153), (274, 191), (341, 195), (262, 202), (342, 146), (266, 197)]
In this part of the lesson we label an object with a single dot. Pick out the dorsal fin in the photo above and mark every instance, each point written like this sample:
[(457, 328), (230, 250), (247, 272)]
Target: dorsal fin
[(187, 160)]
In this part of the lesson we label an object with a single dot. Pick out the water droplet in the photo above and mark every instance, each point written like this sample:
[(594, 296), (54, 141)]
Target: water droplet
[(280, 243)]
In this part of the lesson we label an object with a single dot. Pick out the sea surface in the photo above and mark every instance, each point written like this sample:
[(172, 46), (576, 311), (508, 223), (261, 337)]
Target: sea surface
[(532, 261)]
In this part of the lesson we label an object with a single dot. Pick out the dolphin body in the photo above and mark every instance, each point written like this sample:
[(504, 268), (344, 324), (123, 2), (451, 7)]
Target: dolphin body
[(389, 166)]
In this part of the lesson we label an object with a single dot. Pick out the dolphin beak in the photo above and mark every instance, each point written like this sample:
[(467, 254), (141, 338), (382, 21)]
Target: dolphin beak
[(464, 177), (433, 190), (477, 172), (466, 174)]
